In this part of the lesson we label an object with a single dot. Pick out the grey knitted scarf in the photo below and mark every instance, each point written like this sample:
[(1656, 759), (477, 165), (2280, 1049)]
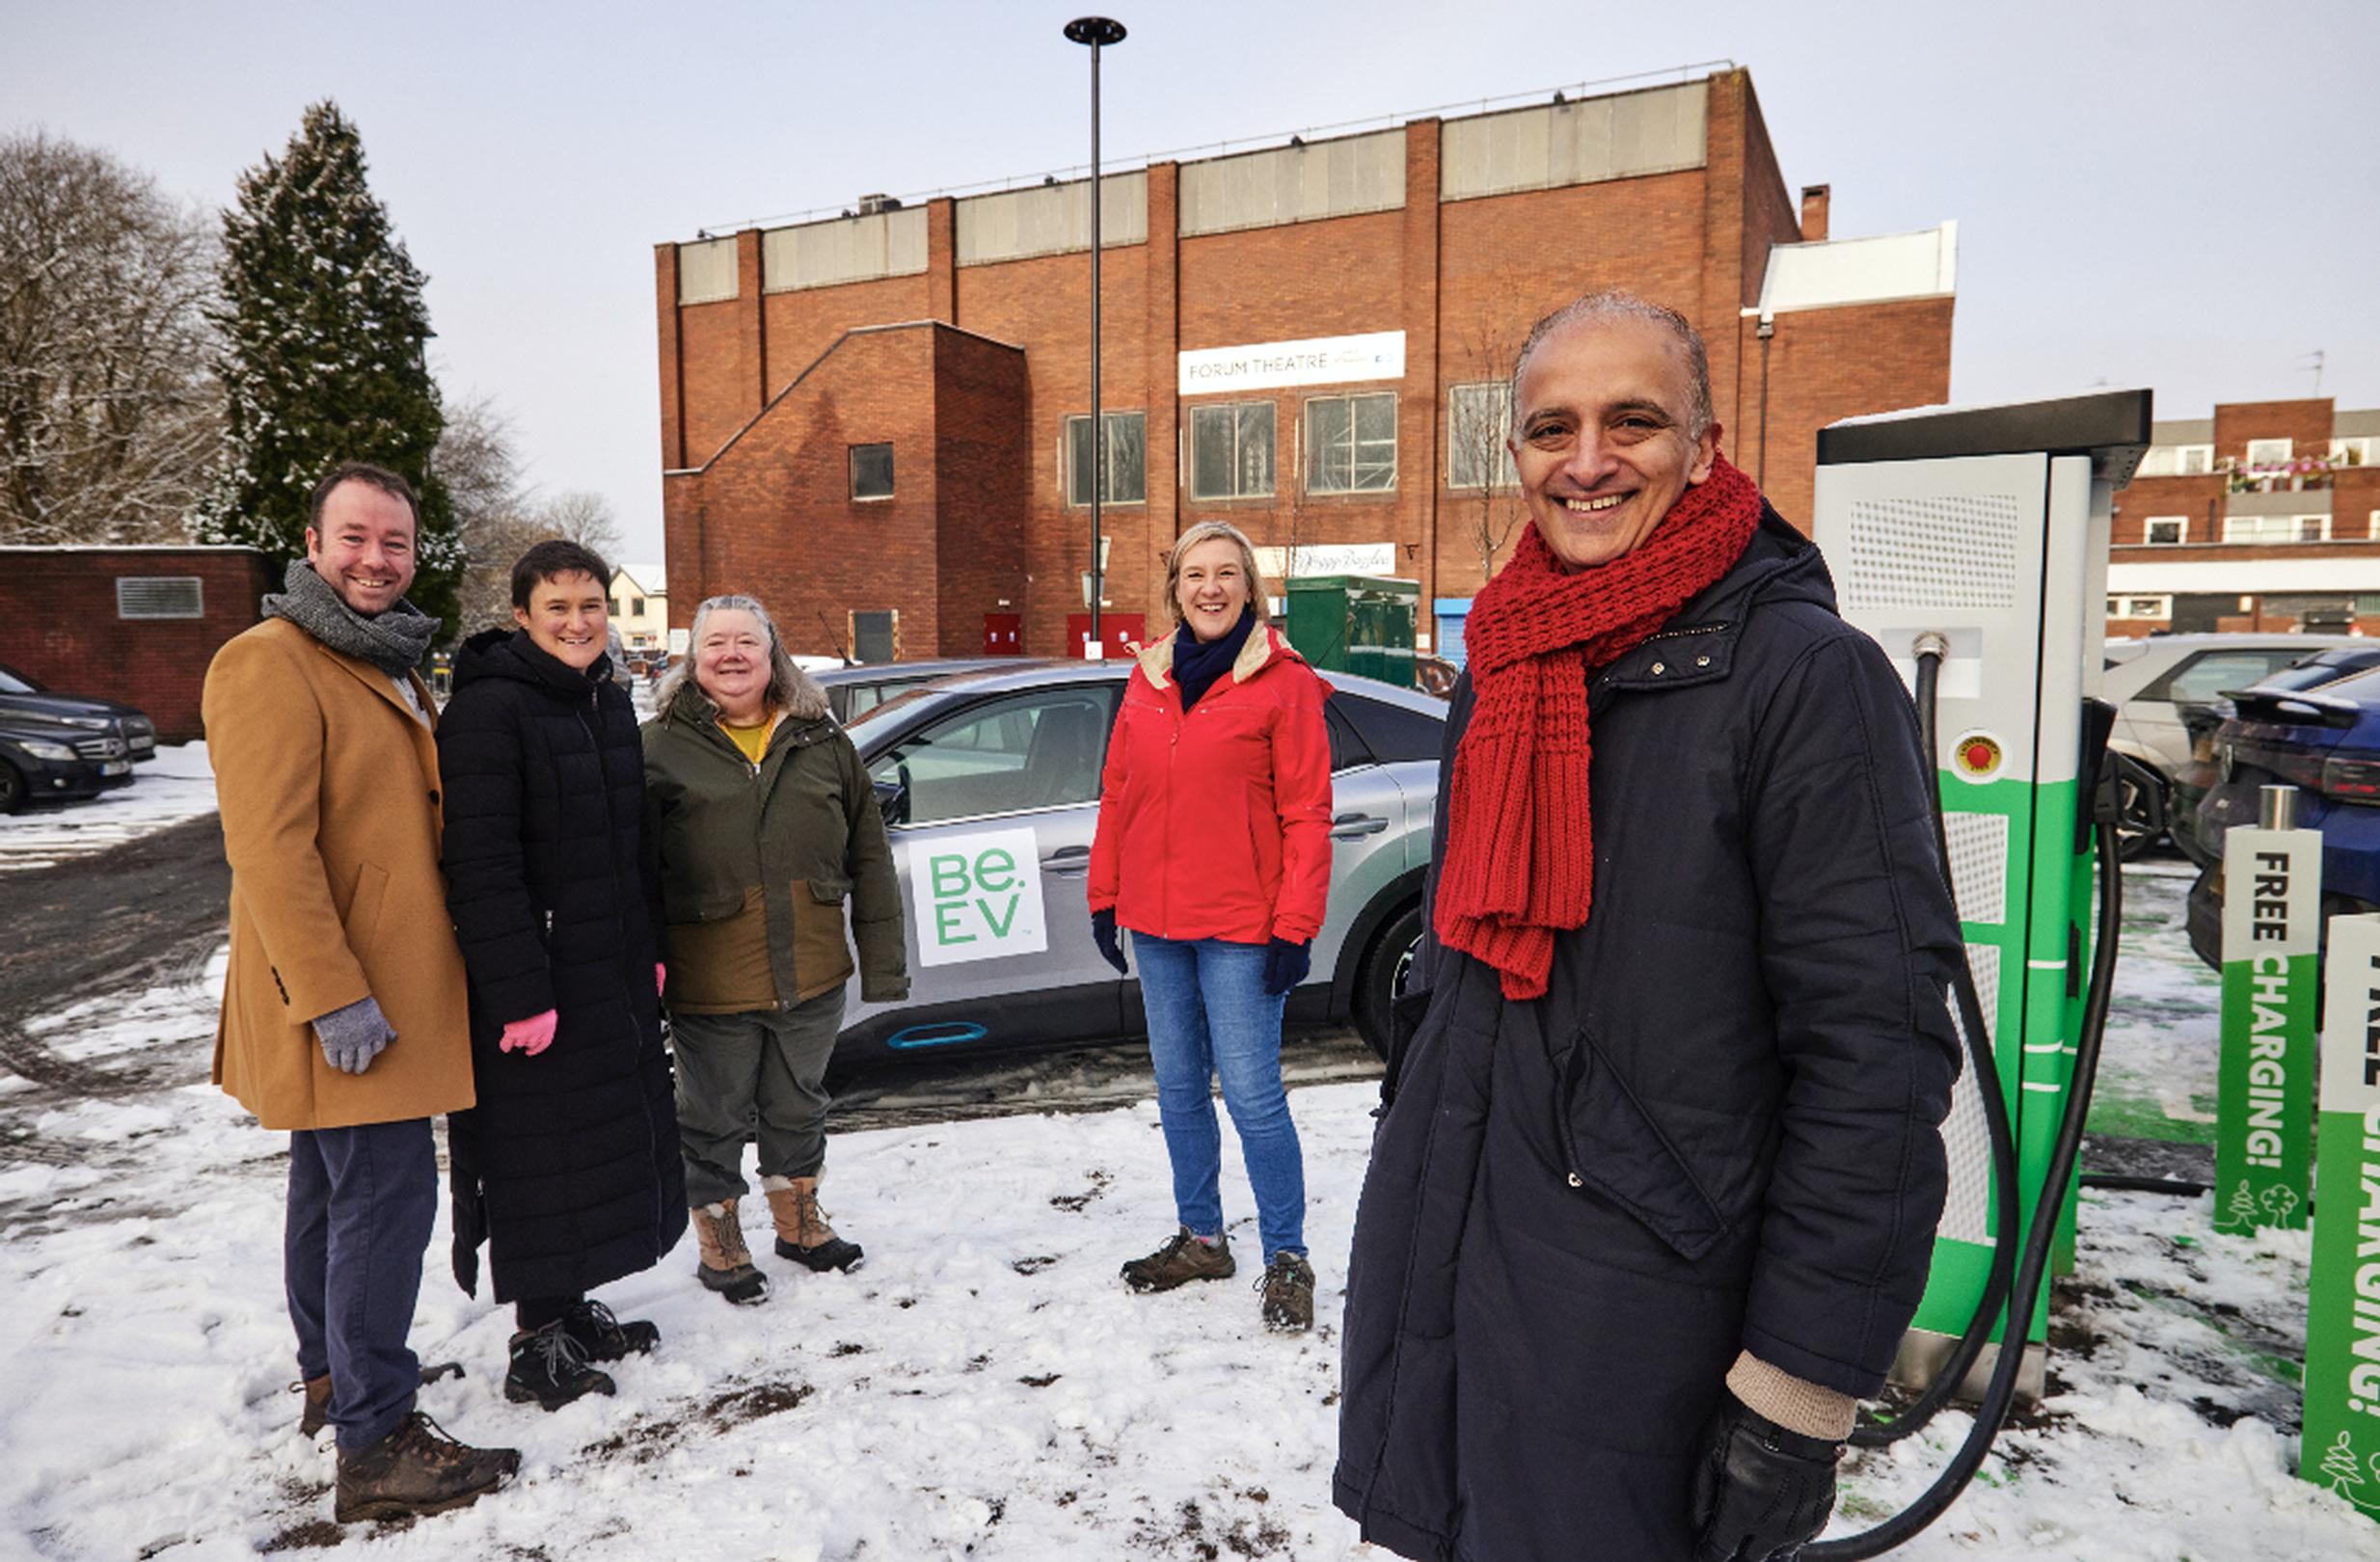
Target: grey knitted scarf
[(394, 642)]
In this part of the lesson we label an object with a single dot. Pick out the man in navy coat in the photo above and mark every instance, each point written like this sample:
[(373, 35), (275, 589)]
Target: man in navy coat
[(1652, 1197)]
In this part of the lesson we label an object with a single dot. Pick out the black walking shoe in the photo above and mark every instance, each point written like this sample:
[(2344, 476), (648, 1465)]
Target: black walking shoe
[(548, 1366), (415, 1470), (603, 1338), (1183, 1260), (1288, 1287)]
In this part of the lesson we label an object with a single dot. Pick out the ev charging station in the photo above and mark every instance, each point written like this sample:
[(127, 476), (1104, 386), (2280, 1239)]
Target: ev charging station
[(1978, 537)]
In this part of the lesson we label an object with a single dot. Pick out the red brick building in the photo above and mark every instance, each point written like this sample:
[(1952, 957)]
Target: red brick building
[(132, 624), (2261, 517), (879, 423)]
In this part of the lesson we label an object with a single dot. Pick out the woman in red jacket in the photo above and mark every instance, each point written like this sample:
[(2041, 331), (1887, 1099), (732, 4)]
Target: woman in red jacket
[(1214, 849)]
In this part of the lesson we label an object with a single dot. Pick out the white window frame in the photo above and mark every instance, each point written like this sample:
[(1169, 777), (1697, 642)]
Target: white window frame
[(1066, 458), (1190, 468), (2261, 452), (2355, 453), (2148, 530), (1313, 453), (2127, 606), (2249, 530), (2194, 460), (1463, 434)]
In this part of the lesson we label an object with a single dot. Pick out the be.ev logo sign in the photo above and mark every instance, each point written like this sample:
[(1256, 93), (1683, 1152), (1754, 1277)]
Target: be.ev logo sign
[(976, 897)]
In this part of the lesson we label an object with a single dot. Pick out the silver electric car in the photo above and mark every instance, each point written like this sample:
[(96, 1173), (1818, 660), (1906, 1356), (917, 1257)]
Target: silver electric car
[(989, 785)]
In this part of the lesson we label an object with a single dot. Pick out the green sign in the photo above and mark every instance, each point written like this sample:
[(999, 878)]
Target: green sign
[(2341, 1448), (2264, 1094)]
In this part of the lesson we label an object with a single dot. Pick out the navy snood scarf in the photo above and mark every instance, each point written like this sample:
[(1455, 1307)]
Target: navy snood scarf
[(1198, 664)]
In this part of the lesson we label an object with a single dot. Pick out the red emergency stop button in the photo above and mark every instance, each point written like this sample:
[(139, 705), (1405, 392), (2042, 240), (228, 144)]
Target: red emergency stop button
[(1978, 755)]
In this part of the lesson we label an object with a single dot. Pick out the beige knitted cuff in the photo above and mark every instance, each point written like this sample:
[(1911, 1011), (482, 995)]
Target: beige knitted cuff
[(1793, 1403)]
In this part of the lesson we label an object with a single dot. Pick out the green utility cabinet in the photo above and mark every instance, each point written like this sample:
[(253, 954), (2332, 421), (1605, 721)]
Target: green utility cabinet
[(1359, 624)]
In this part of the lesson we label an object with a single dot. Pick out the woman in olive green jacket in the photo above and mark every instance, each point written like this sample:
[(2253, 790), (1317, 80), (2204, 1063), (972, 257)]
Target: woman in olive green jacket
[(767, 828)]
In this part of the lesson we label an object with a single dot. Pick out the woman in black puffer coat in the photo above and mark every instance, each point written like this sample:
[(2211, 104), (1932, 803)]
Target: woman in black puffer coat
[(568, 1166)]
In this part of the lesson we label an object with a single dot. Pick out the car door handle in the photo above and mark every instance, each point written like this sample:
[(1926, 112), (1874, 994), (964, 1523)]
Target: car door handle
[(1349, 826), (1069, 862)]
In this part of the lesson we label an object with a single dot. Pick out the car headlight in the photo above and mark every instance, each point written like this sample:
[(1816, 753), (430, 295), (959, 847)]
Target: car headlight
[(43, 748), (86, 723)]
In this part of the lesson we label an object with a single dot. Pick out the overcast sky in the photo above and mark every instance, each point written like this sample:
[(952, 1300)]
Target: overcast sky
[(2176, 195)]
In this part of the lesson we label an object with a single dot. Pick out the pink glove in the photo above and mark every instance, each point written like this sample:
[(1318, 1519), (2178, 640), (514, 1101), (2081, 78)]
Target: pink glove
[(660, 975), (532, 1035)]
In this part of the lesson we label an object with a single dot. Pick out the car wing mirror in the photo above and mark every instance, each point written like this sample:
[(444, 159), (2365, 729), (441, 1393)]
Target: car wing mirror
[(892, 798)]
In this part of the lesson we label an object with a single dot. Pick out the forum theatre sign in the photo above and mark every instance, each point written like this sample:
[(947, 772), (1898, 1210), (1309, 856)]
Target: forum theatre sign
[(1376, 354)]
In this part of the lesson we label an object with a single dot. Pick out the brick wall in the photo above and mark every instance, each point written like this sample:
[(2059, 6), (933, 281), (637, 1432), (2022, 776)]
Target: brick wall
[(59, 624), (773, 515), (2197, 500), (1830, 363), (2305, 424), (1463, 281), (983, 406)]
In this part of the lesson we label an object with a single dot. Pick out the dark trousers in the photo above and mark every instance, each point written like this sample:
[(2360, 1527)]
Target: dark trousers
[(755, 1075), (361, 1203)]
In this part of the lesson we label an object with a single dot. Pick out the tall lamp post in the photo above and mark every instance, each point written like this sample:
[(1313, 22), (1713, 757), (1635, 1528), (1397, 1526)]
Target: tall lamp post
[(1095, 31)]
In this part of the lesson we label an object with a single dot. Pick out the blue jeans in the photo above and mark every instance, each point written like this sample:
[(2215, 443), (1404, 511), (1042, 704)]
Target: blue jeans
[(1209, 1017), (361, 1203)]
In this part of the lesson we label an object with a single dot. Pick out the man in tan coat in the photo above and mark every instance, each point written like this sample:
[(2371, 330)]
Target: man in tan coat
[(344, 1008)]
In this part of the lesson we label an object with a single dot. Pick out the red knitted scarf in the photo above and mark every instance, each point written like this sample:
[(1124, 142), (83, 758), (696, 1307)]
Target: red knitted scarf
[(1519, 860)]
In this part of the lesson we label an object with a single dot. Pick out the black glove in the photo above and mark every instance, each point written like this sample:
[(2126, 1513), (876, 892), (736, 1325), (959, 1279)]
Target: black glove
[(1104, 934), (1759, 1491), (1285, 964)]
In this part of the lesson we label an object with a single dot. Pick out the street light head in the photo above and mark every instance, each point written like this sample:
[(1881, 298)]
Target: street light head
[(1095, 30)]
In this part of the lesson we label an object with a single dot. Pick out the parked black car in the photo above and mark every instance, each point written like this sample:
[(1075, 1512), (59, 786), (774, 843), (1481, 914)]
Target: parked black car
[(83, 719), (2325, 742), (39, 760), (2203, 773)]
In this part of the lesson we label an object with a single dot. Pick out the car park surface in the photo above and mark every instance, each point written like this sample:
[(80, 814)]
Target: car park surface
[(989, 783)]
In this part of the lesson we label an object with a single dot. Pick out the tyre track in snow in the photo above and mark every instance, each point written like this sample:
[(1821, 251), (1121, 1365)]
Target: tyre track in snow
[(144, 915)]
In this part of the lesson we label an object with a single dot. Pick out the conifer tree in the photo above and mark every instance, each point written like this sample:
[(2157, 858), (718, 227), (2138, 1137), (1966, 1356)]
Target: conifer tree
[(324, 359)]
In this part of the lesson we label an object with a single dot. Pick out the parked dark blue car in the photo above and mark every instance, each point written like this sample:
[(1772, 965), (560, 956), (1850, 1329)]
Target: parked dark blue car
[(2325, 742)]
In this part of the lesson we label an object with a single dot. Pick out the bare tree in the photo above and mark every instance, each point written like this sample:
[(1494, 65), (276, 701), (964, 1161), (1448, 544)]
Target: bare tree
[(497, 518), (584, 518), (108, 417), (1485, 347)]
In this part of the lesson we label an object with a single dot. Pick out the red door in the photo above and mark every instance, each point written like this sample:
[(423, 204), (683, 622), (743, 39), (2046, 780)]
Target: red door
[(1123, 633), (1004, 634)]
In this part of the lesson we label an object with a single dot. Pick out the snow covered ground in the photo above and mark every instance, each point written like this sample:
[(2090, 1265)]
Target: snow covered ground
[(984, 1387), (176, 786)]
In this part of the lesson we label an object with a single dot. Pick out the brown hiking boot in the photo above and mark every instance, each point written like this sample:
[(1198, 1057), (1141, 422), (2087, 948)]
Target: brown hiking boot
[(802, 1232), (316, 1414), (416, 1469), (1183, 1258), (1288, 1287), (726, 1265)]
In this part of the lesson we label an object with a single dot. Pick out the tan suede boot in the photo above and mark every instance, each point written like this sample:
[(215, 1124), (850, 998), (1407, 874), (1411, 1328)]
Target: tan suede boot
[(802, 1232), (726, 1265)]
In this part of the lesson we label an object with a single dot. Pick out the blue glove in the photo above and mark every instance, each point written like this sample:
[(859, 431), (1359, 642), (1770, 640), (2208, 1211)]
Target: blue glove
[(1285, 964), (352, 1036), (1104, 934)]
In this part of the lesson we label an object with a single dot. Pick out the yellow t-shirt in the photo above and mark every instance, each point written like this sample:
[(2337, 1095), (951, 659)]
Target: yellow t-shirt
[(753, 740)]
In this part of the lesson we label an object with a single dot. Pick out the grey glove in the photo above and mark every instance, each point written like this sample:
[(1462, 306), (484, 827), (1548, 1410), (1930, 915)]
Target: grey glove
[(352, 1036)]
